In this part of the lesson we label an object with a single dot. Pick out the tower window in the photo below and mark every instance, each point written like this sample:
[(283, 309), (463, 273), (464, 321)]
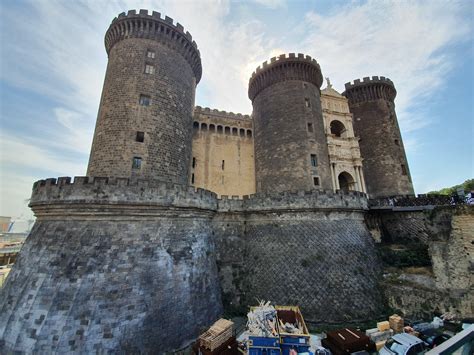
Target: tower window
[(397, 142), (192, 179), (306, 102), (136, 163), (404, 170), (314, 160), (140, 137), (149, 69), (150, 54), (316, 181), (223, 164), (194, 162), (145, 100), (310, 127)]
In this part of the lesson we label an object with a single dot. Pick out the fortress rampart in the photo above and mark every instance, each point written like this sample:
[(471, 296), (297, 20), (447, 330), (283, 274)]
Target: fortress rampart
[(118, 260), (140, 198)]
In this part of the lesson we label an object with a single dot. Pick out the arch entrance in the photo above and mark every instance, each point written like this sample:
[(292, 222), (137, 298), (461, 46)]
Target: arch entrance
[(346, 182)]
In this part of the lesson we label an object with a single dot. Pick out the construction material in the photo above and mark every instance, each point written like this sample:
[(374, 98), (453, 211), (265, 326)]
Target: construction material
[(219, 333), (263, 330), (396, 323), (293, 331), (381, 336), (382, 326), (262, 320)]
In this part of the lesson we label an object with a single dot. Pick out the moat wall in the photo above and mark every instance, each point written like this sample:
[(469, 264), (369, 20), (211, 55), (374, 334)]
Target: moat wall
[(310, 249), (112, 266), (446, 281)]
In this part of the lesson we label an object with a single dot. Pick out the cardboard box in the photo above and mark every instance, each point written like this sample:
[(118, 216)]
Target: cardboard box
[(382, 326)]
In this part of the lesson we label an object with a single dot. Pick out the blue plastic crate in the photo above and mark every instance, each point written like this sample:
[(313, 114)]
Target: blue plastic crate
[(268, 342)]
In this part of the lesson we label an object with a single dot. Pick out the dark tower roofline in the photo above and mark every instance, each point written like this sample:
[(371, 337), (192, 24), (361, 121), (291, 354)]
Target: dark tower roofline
[(143, 25), (370, 89), (276, 70)]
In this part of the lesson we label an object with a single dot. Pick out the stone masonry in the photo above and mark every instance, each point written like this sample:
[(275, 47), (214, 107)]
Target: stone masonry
[(386, 171), (135, 258)]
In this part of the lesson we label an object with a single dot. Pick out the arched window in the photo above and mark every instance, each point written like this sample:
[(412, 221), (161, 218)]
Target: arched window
[(338, 128), (203, 127), (249, 133), (235, 131), (242, 132), (196, 125), (212, 128), (219, 129), (227, 130)]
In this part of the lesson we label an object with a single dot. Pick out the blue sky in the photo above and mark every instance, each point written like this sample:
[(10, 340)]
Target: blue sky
[(53, 64)]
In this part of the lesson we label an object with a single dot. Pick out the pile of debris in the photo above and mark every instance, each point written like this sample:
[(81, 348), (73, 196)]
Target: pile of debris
[(262, 320)]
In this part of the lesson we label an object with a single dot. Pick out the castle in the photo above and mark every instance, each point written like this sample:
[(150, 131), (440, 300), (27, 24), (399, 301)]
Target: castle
[(187, 212)]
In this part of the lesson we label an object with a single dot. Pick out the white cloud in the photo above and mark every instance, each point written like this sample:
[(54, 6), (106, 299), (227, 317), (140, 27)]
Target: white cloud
[(400, 40), (271, 4)]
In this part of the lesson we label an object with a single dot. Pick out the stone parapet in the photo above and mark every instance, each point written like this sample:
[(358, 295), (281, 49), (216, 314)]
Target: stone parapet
[(143, 25), (296, 200), (96, 196), (198, 110), (370, 89), (284, 68)]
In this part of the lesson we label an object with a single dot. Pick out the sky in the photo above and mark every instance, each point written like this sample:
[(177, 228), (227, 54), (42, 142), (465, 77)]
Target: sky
[(53, 62)]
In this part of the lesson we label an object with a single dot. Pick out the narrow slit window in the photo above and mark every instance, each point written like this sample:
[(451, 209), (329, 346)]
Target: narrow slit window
[(192, 179), (306, 102), (310, 127), (137, 163), (145, 100), (397, 142), (314, 160), (140, 137), (404, 170), (316, 181), (194, 162), (149, 69), (223, 164)]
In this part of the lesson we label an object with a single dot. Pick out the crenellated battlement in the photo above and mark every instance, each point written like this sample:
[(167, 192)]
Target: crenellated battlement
[(295, 200), (282, 68), (370, 89), (214, 112), (144, 25), (107, 191)]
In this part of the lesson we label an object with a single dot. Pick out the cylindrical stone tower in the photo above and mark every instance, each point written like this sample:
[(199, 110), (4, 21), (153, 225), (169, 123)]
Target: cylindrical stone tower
[(290, 144), (144, 125), (386, 171)]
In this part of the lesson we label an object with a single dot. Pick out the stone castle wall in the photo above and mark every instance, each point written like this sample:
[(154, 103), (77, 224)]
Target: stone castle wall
[(112, 265), (276, 247), (223, 152)]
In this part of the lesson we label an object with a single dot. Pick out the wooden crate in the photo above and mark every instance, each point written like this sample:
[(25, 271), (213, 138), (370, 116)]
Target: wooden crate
[(217, 334)]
